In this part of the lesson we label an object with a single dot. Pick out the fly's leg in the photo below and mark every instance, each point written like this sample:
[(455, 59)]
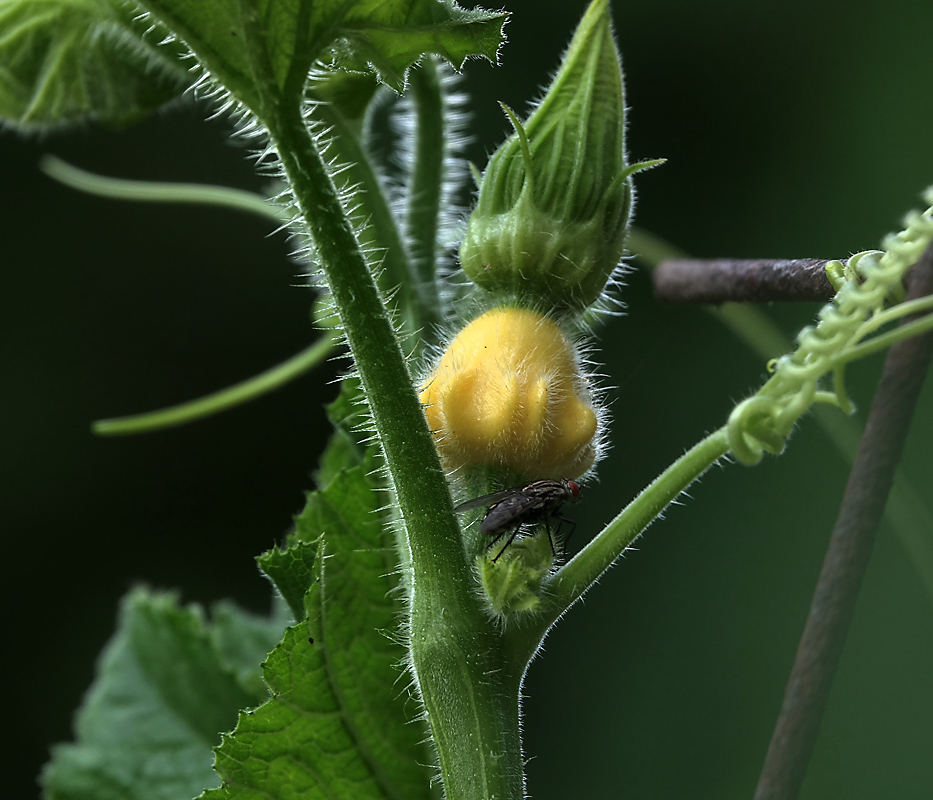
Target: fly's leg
[(550, 538), (561, 521), (515, 531)]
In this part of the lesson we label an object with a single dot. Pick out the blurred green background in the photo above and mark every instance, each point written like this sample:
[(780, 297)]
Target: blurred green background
[(793, 129)]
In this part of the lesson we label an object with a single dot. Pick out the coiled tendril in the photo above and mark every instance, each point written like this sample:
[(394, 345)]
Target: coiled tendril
[(764, 421)]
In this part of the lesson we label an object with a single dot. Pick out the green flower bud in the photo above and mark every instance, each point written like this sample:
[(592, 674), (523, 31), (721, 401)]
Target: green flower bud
[(554, 202), (513, 581)]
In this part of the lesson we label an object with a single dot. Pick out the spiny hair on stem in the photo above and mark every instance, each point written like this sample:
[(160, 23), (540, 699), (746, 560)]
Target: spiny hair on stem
[(455, 174)]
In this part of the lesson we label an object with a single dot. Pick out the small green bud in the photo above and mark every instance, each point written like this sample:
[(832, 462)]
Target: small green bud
[(513, 580), (554, 202)]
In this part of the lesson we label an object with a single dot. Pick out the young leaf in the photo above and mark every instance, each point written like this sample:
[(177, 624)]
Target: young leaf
[(338, 724), (350, 444), (291, 569), (164, 692), (262, 50), (66, 61), (393, 37)]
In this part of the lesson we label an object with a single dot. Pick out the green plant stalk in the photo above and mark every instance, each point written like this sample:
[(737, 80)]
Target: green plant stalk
[(418, 301), (223, 399), (907, 512), (425, 190), (456, 656), (883, 341), (471, 700), (569, 583), (159, 191)]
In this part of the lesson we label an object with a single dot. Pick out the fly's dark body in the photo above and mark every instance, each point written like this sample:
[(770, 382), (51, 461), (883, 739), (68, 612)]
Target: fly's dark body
[(510, 509)]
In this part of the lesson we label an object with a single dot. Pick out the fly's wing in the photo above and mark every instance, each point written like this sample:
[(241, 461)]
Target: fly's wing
[(487, 499), (513, 510)]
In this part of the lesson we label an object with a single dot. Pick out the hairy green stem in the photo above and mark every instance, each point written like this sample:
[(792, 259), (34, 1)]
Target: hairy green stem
[(570, 582), (425, 187), (470, 688), (418, 302), (455, 653)]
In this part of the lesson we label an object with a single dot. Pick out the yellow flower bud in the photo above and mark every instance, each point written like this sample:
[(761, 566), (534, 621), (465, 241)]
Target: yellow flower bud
[(508, 392)]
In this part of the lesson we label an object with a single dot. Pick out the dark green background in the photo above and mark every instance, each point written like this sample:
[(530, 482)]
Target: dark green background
[(794, 129)]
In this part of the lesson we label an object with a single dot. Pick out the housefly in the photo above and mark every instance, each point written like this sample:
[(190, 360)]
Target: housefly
[(508, 510)]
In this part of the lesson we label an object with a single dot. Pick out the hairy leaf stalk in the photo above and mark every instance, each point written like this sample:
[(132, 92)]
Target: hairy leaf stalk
[(455, 654)]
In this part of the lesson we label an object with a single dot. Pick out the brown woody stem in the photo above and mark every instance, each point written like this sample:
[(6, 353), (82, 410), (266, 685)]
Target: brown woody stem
[(720, 280)]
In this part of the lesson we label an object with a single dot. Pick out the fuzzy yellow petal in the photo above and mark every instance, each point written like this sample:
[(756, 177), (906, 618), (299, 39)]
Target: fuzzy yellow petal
[(507, 392)]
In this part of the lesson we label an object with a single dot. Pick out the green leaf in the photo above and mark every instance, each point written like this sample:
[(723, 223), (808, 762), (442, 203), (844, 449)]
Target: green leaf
[(388, 37), (351, 443), (244, 640), (292, 568), (292, 571), (339, 723), (262, 50), (65, 61), (164, 692)]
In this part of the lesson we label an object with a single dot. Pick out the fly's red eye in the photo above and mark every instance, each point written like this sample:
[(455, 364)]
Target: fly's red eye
[(574, 488)]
